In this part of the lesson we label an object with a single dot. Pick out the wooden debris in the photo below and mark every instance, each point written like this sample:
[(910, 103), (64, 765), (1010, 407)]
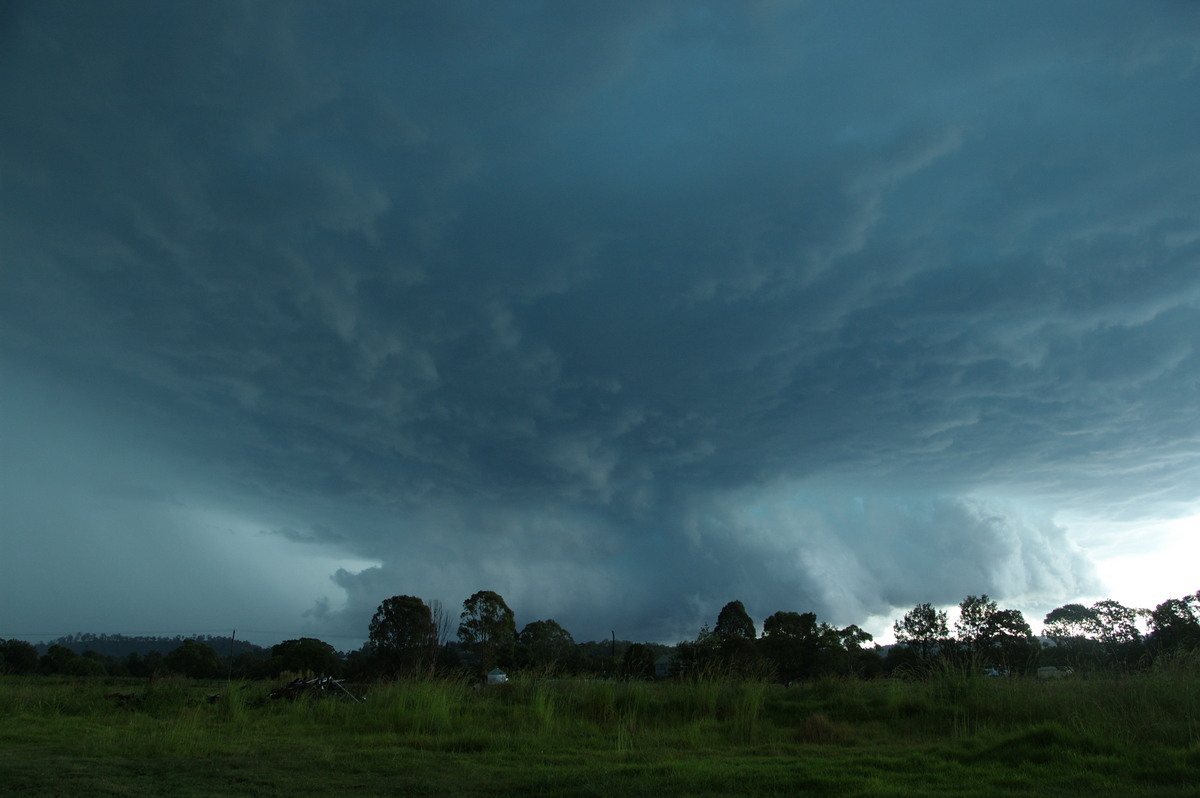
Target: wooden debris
[(320, 686), (126, 699)]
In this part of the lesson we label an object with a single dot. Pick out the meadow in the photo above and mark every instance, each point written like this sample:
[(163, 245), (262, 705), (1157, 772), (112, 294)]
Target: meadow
[(947, 735)]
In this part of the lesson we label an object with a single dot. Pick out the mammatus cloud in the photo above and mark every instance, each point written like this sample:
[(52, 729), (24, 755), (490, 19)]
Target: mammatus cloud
[(623, 313)]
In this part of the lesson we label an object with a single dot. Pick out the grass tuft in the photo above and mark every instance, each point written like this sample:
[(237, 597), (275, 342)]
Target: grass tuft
[(819, 729)]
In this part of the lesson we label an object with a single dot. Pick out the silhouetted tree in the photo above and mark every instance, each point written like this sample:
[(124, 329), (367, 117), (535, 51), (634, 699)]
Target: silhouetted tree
[(854, 638), (194, 659), (735, 636), (799, 646), (547, 646), (1121, 643), (488, 629), (1175, 624), (403, 636), (1010, 641), (990, 637), (973, 627), (1104, 635), (923, 629), (733, 623), (1070, 621), (307, 655), (17, 656), (857, 660), (57, 659)]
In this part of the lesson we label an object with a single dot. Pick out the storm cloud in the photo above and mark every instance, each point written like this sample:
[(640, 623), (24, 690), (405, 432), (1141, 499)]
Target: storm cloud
[(621, 310)]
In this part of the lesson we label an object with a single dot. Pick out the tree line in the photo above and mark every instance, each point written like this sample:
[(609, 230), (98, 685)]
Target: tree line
[(1106, 636), (408, 637)]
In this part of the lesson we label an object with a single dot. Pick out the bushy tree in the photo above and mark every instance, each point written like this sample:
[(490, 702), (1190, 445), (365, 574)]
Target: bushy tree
[(57, 659), (307, 655), (1104, 635), (857, 660), (488, 629), (734, 623), (924, 629), (403, 636), (853, 638), (1175, 624), (193, 659), (1120, 639), (1116, 624), (735, 637), (973, 629), (799, 646), (1070, 621), (1011, 645), (546, 646), (17, 656), (994, 638)]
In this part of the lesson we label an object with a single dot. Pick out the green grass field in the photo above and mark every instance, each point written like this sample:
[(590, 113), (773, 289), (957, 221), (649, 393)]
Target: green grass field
[(953, 735)]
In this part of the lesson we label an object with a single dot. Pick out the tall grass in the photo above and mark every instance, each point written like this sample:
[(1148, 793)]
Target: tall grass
[(1090, 734), (1158, 707)]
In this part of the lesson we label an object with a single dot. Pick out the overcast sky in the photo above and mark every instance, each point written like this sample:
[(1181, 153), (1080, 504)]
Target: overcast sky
[(622, 310)]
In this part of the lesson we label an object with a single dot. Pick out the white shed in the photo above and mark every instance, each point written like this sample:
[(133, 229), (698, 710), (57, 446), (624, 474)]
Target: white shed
[(496, 676)]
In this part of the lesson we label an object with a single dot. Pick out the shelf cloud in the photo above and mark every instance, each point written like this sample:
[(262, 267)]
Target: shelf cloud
[(623, 311)]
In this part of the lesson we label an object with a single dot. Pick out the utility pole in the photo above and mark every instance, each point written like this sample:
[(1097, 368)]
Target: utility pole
[(231, 639)]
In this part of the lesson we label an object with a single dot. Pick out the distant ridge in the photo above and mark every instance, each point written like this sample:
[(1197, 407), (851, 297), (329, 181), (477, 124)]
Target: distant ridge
[(120, 646)]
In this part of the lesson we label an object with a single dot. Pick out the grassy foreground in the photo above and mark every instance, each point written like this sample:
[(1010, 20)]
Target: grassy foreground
[(953, 736)]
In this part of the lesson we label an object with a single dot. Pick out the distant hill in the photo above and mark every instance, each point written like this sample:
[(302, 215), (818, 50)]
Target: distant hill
[(121, 646)]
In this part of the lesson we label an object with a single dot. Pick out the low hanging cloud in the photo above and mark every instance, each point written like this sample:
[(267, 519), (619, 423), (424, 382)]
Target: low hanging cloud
[(847, 557)]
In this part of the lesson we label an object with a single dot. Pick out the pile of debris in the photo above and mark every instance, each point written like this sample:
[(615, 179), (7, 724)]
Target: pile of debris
[(320, 686), (126, 700)]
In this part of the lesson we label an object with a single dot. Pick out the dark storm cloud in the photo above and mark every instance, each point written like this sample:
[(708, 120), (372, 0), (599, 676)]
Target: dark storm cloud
[(621, 310)]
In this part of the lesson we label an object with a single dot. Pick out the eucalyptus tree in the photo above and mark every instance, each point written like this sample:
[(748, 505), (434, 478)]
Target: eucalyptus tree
[(488, 629), (1175, 624), (194, 659), (857, 660), (994, 638), (403, 636), (1011, 645), (924, 629), (1106, 634), (547, 646), (304, 655), (734, 623), (973, 627), (800, 645), (17, 656)]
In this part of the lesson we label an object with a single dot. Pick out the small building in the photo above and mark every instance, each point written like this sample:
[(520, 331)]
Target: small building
[(496, 676), (664, 666), (1054, 672)]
